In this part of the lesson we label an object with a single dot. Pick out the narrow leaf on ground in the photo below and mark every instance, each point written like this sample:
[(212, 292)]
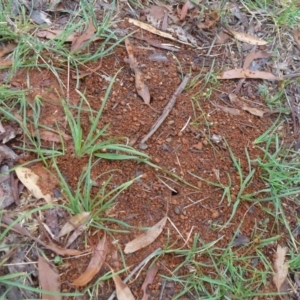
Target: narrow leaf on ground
[(255, 55), (149, 280), (245, 73), (56, 34), (87, 35), (254, 111), (229, 110), (74, 223), (247, 38), (48, 279), (141, 87), (95, 264), (281, 267), (7, 49), (122, 290), (184, 10), (30, 179), (147, 237)]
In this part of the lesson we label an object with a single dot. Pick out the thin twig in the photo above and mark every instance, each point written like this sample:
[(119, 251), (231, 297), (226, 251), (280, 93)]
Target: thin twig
[(166, 111), (139, 266)]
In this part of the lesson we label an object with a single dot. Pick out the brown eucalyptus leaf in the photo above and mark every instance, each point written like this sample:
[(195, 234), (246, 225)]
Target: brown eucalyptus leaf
[(30, 179), (281, 267), (255, 55), (141, 87), (95, 264), (148, 237), (229, 110), (87, 35), (48, 279), (55, 34), (149, 280), (8, 48), (247, 38), (254, 111), (73, 223), (122, 290), (184, 10), (245, 73)]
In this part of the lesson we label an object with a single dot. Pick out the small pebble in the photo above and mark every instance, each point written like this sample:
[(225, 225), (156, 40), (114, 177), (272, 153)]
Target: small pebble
[(199, 184), (177, 210), (180, 133), (185, 141), (168, 140)]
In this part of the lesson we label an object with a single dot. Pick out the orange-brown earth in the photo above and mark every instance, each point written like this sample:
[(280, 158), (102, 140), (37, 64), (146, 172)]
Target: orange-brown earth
[(190, 141)]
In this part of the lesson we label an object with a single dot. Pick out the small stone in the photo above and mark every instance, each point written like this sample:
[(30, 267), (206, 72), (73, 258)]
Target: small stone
[(185, 141), (199, 184), (168, 140), (123, 103), (177, 210), (198, 146), (205, 142), (214, 213), (171, 122), (180, 133), (156, 160), (119, 117)]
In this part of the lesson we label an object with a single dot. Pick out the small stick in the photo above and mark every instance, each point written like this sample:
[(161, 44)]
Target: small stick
[(166, 112), (141, 264)]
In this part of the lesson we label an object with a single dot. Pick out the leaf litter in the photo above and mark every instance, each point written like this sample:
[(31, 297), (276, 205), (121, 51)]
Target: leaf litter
[(147, 238), (48, 279), (281, 267), (95, 264)]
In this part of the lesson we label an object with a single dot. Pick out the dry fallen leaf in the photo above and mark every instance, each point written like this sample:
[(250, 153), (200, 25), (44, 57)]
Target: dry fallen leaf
[(229, 110), (89, 72), (149, 280), (95, 264), (48, 279), (146, 238), (56, 34), (154, 30), (122, 290), (253, 111), (281, 267), (51, 136), (296, 35), (184, 10), (141, 87), (8, 48), (247, 38), (87, 35), (245, 73), (255, 55), (30, 179), (74, 223), (51, 246)]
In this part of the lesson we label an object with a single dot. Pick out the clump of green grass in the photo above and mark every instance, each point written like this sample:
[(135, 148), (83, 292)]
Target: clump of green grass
[(91, 144), (210, 272)]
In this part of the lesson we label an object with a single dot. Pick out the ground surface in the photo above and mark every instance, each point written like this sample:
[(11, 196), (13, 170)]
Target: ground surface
[(193, 143)]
